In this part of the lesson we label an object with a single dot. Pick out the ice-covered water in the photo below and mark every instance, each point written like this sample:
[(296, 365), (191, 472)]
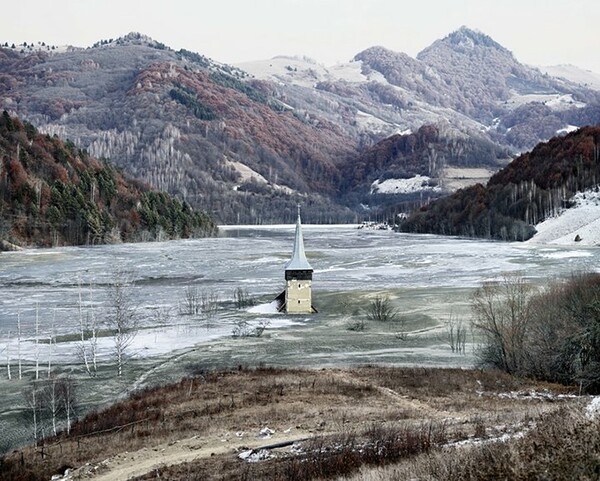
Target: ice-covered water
[(344, 258)]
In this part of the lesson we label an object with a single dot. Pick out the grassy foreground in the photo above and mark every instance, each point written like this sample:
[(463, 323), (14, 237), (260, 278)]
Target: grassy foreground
[(374, 423)]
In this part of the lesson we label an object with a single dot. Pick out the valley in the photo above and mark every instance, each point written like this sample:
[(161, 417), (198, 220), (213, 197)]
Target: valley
[(429, 280)]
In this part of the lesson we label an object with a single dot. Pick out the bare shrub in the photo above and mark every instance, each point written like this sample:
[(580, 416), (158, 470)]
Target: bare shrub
[(243, 328), (380, 309), (242, 299), (455, 334), (190, 303), (209, 306)]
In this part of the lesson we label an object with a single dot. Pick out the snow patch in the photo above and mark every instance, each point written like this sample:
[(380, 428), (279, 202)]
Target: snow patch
[(418, 183), (568, 129), (593, 408), (582, 222), (247, 173), (587, 78), (268, 308)]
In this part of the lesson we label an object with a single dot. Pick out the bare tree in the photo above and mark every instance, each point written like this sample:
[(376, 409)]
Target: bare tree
[(19, 345), (209, 304), (501, 314), (7, 349), (68, 395), (123, 316), (455, 334), (88, 343), (190, 304), (381, 309), (51, 343), (33, 404), (242, 299), (50, 399), (37, 341)]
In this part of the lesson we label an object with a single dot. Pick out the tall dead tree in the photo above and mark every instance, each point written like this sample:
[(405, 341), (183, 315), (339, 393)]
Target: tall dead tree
[(123, 317)]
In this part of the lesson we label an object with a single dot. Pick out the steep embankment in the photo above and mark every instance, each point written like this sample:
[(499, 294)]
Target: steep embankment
[(579, 224), (533, 188), (52, 193)]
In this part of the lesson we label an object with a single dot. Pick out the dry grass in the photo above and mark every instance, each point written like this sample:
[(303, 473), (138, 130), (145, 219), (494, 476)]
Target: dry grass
[(563, 446), (365, 416)]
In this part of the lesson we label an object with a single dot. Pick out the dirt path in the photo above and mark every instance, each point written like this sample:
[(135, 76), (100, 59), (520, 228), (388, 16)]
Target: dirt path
[(125, 466)]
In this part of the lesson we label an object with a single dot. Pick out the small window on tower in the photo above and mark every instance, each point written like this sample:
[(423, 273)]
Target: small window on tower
[(299, 286), (298, 301)]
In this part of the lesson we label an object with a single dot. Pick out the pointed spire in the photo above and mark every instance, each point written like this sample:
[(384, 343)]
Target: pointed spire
[(298, 261)]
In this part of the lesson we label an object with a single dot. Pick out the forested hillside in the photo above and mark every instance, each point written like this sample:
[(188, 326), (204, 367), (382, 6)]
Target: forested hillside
[(53, 193), (247, 146), (533, 187)]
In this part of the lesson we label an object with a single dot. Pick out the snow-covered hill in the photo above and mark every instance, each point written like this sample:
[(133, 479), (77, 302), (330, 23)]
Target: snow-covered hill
[(579, 222), (586, 78)]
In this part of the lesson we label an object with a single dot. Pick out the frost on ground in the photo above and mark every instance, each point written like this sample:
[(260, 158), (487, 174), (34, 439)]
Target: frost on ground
[(580, 222), (417, 183), (593, 408)]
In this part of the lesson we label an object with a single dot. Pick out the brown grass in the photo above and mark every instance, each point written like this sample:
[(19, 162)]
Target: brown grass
[(365, 416)]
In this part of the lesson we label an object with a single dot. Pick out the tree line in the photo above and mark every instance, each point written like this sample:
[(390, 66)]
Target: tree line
[(53, 193)]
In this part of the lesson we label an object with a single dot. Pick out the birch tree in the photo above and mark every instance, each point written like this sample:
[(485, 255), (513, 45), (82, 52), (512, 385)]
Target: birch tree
[(37, 341), (68, 395), (8, 371), (20, 365), (88, 334), (123, 317)]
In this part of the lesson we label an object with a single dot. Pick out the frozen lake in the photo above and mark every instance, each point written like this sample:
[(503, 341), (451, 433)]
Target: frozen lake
[(419, 271)]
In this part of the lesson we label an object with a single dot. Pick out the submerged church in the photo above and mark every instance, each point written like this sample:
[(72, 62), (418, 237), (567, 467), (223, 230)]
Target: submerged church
[(297, 297)]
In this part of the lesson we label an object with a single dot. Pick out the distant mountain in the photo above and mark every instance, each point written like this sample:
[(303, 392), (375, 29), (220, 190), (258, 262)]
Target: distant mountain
[(535, 186), (466, 79), (572, 73), (248, 143), (53, 193)]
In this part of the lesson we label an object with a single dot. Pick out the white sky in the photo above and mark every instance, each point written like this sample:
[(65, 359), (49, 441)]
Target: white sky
[(538, 32)]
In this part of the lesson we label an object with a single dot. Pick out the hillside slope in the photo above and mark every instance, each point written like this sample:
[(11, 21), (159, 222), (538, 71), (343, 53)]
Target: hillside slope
[(248, 146), (182, 123), (53, 193), (532, 188)]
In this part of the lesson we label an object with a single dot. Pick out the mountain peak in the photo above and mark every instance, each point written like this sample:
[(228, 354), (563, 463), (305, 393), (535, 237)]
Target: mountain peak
[(132, 38), (468, 38)]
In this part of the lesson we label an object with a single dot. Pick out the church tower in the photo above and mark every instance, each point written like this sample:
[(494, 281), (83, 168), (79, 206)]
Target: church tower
[(298, 277)]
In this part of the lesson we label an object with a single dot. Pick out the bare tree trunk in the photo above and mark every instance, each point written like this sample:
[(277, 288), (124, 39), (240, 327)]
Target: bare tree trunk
[(37, 342), (8, 373), (123, 317), (69, 399), (51, 340), (82, 346), (94, 332), (19, 344)]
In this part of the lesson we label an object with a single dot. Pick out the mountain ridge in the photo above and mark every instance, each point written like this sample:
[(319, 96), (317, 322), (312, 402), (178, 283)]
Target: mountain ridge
[(182, 122)]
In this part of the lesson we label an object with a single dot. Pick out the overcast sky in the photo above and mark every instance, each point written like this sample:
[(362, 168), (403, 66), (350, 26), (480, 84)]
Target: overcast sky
[(538, 32)]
